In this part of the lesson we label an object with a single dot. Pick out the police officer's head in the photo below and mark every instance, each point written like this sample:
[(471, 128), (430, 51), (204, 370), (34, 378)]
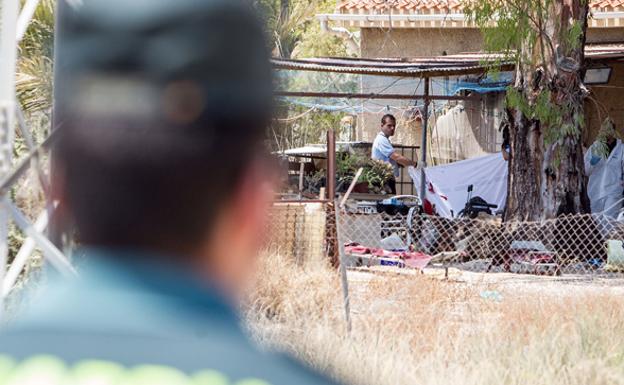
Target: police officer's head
[(162, 106)]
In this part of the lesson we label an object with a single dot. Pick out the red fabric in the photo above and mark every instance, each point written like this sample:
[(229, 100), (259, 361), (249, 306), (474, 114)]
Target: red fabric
[(416, 259), (540, 258), (412, 259), (357, 249), (533, 257), (428, 207)]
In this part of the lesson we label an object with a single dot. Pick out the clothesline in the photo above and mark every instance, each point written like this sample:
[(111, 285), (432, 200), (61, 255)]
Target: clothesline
[(348, 108), (355, 110)]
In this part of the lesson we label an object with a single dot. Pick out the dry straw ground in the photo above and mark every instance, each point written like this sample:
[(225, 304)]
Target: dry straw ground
[(421, 330)]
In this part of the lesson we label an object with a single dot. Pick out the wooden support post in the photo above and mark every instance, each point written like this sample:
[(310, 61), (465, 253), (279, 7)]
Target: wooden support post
[(423, 147), (301, 175), (331, 165), (331, 233)]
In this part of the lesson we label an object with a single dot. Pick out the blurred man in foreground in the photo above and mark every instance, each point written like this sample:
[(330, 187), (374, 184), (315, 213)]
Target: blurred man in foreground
[(163, 106)]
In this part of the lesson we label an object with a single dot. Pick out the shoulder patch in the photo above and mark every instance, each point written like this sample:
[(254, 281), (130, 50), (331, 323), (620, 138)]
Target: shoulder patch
[(50, 370)]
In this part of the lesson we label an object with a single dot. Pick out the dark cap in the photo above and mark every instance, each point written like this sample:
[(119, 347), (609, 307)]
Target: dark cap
[(163, 59), (162, 106)]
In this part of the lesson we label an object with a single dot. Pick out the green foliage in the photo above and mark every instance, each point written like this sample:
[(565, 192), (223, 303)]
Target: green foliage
[(298, 125), (15, 241), (308, 126), (294, 31), (506, 25), (522, 30), (376, 173), (347, 166), (549, 114), (575, 35), (35, 65), (557, 160), (516, 100), (34, 83), (284, 20), (39, 37), (543, 109), (526, 33), (600, 146), (315, 43)]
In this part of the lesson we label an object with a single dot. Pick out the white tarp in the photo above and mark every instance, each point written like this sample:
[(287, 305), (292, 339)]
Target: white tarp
[(448, 184)]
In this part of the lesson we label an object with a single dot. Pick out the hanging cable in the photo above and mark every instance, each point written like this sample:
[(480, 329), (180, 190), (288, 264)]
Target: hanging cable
[(297, 117), (389, 30)]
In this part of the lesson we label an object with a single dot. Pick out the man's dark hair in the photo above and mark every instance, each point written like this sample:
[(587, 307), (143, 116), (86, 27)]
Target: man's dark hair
[(161, 111), (387, 116)]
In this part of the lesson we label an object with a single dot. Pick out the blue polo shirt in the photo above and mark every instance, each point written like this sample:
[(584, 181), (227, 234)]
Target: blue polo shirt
[(138, 320), (382, 149)]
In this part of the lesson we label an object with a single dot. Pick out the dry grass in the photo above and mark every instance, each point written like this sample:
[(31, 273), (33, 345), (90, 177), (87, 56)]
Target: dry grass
[(419, 330)]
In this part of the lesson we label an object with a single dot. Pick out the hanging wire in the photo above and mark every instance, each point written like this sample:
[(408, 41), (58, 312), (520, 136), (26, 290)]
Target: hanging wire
[(337, 109), (297, 117), (379, 92), (388, 32)]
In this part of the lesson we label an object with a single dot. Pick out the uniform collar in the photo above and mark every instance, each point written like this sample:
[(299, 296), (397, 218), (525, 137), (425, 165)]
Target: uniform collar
[(141, 271)]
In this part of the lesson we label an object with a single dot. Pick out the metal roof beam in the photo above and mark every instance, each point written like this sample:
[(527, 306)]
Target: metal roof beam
[(371, 96)]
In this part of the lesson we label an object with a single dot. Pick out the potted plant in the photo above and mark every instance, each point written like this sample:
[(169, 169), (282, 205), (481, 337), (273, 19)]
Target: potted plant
[(377, 175), (374, 176)]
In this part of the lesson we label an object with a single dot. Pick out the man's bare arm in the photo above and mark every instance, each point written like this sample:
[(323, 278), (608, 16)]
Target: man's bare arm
[(403, 161)]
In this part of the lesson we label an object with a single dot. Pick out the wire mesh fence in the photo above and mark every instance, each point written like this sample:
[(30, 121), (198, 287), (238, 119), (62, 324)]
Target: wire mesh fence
[(592, 245), (302, 231)]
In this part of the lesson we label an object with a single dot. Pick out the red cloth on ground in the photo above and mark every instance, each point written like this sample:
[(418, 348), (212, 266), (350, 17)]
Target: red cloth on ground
[(412, 259)]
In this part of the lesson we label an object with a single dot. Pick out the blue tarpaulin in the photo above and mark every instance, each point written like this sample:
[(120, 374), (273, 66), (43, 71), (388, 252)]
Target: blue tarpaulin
[(479, 87), (483, 86)]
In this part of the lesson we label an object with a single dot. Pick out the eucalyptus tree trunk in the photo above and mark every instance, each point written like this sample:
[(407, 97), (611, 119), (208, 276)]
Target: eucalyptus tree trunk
[(547, 176)]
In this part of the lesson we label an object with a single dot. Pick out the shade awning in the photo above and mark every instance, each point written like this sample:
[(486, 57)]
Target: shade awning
[(436, 66)]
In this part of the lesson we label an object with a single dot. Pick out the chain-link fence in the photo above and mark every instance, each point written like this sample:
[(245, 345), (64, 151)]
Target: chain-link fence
[(591, 245), (302, 231), (579, 244)]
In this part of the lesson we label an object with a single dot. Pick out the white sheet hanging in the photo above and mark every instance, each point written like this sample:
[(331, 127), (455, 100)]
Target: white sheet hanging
[(448, 184)]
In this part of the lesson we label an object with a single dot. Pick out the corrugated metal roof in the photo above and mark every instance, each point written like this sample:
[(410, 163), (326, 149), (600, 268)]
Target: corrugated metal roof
[(420, 68), (460, 64)]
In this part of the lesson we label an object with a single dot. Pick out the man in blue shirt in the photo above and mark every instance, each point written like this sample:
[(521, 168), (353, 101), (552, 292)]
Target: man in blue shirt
[(384, 151), (155, 101)]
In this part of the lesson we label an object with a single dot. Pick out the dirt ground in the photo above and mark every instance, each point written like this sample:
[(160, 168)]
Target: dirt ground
[(508, 284), (471, 327)]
